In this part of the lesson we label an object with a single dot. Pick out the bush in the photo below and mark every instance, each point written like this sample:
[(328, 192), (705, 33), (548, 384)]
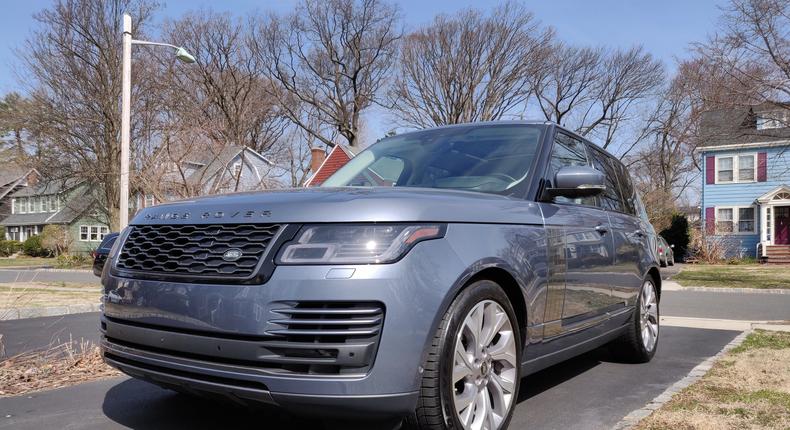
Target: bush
[(9, 247), (55, 239), (678, 234), (32, 247)]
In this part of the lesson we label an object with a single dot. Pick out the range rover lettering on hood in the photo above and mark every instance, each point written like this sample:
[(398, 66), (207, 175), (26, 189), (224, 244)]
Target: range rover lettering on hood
[(249, 214)]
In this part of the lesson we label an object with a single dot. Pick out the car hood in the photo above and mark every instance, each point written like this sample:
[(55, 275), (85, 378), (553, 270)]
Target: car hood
[(369, 204)]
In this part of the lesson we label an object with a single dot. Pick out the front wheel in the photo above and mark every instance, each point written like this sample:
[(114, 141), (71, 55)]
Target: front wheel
[(472, 374), (639, 343)]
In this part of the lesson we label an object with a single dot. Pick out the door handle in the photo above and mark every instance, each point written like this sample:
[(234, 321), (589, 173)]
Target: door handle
[(601, 229)]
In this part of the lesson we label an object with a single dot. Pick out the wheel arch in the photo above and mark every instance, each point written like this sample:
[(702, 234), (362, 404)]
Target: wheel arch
[(655, 274)]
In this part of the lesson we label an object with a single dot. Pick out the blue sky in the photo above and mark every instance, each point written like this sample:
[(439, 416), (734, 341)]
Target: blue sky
[(664, 27)]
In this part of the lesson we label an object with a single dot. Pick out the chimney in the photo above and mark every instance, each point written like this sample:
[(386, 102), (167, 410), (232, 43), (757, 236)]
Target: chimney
[(318, 156)]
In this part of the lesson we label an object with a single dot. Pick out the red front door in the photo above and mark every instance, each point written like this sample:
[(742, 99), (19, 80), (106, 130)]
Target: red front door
[(782, 217)]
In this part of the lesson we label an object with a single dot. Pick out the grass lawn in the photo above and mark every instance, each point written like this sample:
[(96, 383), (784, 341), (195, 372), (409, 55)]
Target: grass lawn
[(732, 276), (748, 388), (26, 261), (29, 295)]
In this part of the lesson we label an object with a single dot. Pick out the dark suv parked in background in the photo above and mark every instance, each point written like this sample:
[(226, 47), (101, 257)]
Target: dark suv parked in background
[(424, 279)]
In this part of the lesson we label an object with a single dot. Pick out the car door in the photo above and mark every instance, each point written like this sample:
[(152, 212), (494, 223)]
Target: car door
[(628, 233), (579, 290)]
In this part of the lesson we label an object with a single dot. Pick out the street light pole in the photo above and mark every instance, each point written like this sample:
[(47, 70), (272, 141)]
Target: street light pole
[(126, 115), (126, 101)]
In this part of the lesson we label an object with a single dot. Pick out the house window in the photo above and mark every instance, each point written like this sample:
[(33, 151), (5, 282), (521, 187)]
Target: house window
[(93, 233), (54, 204), (14, 206), (734, 169), (103, 231), (735, 220), (45, 204), (149, 200), (236, 170), (22, 206), (724, 220), (746, 220)]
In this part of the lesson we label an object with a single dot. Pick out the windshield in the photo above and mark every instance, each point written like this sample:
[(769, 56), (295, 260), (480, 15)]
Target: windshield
[(485, 158)]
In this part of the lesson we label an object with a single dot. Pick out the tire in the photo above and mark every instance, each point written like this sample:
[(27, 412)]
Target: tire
[(632, 346), (662, 263), (437, 407), (671, 261)]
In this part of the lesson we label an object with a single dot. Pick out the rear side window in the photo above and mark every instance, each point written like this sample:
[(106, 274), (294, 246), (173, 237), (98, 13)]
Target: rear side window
[(569, 151), (626, 188), (610, 199)]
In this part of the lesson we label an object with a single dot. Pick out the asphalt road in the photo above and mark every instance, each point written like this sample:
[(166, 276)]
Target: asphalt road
[(589, 392), (40, 333), (45, 275)]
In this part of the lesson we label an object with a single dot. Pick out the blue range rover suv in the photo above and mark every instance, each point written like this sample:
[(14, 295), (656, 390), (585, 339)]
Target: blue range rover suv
[(423, 280)]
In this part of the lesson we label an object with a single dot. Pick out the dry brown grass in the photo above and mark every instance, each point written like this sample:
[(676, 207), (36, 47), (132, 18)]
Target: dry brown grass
[(59, 366), (749, 388), (32, 294)]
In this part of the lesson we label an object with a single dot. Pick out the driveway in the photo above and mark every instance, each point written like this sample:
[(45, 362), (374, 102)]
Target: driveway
[(588, 392)]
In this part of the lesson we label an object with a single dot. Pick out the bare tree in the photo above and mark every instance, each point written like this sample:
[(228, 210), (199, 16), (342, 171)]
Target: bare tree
[(328, 61), (73, 64), (664, 168), (595, 91), (468, 67), (565, 84), (225, 92), (751, 52)]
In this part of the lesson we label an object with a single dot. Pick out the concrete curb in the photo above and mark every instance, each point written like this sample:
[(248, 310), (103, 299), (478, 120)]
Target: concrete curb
[(670, 285), (50, 311), (633, 418), (738, 290)]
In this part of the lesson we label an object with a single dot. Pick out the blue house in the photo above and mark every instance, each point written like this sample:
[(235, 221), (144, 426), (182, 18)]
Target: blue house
[(745, 154)]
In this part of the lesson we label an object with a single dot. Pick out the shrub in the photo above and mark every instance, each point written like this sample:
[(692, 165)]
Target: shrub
[(678, 234), (55, 239), (32, 247), (9, 247)]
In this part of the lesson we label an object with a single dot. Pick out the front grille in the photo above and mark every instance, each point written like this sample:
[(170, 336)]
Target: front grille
[(325, 337), (196, 251)]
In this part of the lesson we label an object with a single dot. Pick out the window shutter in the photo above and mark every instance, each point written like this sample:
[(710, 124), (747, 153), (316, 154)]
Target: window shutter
[(710, 220), (762, 167), (710, 170)]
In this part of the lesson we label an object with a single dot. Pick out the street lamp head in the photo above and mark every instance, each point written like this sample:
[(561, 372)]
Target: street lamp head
[(184, 55)]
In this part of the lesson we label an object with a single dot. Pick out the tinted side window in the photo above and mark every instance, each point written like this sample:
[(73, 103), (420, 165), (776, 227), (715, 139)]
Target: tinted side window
[(609, 199), (568, 151), (626, 188)]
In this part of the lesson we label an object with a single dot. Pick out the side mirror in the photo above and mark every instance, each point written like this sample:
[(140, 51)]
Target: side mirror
[(577, 181)]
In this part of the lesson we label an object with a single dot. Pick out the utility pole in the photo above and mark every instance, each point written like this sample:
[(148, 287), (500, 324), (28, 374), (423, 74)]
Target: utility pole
[(126, 112), (126, 101)]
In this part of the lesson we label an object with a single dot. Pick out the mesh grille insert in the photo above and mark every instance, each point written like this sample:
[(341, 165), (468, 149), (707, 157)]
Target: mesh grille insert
[(196, 250)]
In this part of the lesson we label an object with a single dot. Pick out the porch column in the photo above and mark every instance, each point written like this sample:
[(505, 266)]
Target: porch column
[(764, 236)]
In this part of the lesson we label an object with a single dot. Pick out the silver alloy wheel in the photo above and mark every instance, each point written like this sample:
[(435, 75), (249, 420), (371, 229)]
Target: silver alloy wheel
[(484, 367), (649, 316)]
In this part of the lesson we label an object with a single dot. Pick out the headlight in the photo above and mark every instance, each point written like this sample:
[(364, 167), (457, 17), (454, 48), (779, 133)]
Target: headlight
[(356, 244)]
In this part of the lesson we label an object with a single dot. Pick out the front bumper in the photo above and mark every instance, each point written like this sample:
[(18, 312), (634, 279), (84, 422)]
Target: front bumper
[(206, 338)]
